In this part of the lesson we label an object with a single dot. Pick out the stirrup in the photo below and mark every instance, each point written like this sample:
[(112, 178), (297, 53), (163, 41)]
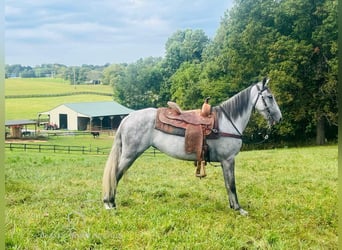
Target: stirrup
[(200, 170)]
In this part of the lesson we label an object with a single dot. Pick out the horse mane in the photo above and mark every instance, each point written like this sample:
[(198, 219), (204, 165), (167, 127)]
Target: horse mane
[(236, 105)]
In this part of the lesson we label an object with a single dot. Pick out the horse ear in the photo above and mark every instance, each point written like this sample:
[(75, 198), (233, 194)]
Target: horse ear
[(268, 80), (265, 81)]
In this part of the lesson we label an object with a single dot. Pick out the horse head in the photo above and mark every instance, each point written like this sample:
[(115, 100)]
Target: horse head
[(266, 104)]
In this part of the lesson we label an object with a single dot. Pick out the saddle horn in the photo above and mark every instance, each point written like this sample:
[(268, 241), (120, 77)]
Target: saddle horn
[(206, 108)]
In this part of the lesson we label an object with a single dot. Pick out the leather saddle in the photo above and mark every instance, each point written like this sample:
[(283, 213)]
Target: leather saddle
[(194, 125), (176, 118)]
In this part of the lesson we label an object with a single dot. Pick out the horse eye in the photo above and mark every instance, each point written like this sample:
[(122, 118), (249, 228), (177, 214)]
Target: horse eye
[(270, 97)]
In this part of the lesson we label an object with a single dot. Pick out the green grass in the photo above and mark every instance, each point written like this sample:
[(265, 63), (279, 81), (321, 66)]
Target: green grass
[(26, 86), (105, 140), (54, 202), (28, 108), (76, 144)]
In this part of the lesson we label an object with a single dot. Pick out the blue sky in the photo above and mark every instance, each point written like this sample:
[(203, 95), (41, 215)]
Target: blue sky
[(101, 31)]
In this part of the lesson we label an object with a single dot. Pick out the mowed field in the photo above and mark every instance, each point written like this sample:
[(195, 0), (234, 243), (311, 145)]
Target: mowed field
[(53, 201), (28, 108)]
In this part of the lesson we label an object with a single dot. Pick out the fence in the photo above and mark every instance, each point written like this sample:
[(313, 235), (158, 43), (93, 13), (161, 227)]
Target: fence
[(66, 149), (55, 148)]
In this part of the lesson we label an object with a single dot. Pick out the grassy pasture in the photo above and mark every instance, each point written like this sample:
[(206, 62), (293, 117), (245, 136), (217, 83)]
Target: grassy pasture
[(25, 86), (28, 108), (54, 202)]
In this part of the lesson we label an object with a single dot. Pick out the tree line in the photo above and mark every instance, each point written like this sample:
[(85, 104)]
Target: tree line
[(294, 42), (74, 74)]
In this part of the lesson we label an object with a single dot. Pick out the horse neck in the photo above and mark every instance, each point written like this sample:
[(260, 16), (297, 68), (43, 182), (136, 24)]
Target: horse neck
[(239, 109)]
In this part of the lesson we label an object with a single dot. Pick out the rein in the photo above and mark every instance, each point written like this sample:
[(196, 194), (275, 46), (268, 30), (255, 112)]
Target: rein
[(239, 135)]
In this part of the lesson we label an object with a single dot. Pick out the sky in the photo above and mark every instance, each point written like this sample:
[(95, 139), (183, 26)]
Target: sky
[(101, 31)]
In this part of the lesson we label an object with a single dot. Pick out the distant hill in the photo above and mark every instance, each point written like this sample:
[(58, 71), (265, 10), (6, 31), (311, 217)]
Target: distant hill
[(26, 97)]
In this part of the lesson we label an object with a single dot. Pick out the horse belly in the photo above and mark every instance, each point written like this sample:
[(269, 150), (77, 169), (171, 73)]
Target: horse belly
[(171, 145), (174, 146)]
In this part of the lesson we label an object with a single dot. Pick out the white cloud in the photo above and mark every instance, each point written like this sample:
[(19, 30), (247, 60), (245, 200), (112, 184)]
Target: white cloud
[(74, 32)]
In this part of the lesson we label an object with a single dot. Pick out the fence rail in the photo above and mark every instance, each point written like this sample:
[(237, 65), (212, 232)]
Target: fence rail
[(66, 149), (56, 148)]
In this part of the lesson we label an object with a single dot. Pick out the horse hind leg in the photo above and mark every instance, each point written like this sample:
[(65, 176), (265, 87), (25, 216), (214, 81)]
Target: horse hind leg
[(117, 164), (129, 143), (111, 178)]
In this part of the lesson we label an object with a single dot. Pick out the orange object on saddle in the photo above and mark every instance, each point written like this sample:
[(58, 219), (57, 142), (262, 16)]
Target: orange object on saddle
[(206, 108)]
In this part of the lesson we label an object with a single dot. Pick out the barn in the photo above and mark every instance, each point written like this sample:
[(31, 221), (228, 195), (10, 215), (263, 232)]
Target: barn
[(86, 116), (18, 128)]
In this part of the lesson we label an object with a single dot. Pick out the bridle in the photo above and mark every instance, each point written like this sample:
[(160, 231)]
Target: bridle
[(239, 135), (269, 115)]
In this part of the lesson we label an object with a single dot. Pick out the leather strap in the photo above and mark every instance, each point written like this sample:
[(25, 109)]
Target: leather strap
[(223, 134)]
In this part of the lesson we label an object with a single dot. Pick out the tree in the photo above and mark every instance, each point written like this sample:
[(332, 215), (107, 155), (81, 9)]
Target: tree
[(304, 61), (139, 85), (14, 70), (293, 42), (324, 66), (28, 72), (112, 73), (185, 86), (183, 46)]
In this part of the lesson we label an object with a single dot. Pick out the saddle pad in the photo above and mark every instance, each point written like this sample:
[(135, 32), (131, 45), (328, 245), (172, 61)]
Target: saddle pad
[(166, 128)]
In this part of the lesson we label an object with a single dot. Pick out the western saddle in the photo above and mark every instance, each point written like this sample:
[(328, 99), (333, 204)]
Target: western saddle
[(194, 125)]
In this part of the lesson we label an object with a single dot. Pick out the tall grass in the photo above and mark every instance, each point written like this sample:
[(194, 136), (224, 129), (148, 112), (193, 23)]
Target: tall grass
[(54, 202)]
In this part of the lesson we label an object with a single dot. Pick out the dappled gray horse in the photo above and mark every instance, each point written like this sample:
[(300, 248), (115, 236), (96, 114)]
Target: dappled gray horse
[(137, 133)]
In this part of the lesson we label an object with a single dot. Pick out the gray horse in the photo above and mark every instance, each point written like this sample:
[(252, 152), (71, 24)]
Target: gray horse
[(137, 133)]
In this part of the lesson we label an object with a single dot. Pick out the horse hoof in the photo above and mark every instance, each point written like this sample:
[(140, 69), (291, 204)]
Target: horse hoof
[(243, 212), (109, 206)]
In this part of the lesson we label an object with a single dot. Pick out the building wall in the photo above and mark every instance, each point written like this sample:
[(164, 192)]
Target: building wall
[(76, 122), (71, 117)]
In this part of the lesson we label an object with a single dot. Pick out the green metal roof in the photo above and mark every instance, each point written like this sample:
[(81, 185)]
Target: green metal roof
[(97, 109)]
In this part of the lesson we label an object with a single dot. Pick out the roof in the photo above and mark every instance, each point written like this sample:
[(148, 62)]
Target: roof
[(97, 109), (19, 122)]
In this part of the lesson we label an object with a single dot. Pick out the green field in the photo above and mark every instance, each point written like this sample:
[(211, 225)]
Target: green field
[(54, 202), (28, 108), (24, 86)]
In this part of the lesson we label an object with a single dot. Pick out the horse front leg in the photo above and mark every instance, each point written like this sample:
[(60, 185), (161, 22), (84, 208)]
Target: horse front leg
[(228, 168)]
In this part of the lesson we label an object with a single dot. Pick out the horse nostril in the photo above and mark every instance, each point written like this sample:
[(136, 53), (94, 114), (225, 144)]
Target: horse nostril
[(280, 119)]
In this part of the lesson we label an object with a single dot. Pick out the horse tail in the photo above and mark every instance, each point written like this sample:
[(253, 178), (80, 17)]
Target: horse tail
[(109, 180)]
